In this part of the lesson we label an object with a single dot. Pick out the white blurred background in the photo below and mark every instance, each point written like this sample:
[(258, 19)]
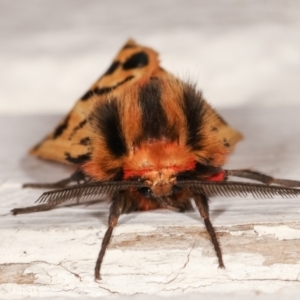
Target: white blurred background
[(240, 53)]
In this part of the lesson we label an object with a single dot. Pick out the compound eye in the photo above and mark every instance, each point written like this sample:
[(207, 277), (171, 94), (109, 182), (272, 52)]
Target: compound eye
[(145, 192), (176, 189)]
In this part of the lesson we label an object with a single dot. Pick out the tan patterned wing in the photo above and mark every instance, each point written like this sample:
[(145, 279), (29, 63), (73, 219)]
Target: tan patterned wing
[(69, 142), (228, 135)]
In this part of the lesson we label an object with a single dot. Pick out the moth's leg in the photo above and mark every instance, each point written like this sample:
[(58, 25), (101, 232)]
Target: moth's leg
[(116, 208), (31, 209), (258, 176), (76, 177), (201, 202)]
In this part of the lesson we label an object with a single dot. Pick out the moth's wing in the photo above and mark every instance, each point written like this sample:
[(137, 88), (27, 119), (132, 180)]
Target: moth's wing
[(227, 135), (69, 142), (217, 138)]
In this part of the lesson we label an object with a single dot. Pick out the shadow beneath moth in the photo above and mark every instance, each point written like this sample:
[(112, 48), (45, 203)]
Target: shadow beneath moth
[(148, 141)]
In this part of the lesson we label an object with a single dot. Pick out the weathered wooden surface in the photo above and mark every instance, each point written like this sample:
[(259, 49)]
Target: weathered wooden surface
[(161, 252)]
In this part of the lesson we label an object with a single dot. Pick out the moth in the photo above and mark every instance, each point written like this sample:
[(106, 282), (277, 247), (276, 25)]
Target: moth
[(147, 140)]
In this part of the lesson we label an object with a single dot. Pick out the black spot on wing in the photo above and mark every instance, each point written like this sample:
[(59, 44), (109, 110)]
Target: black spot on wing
[(81, 124), (87, 95), (104, 90), (154, 119), (225, 143), (106, 118), (78, 159), (137, 60), (194, 110), (85, 141), (113, 67), (61, 128)]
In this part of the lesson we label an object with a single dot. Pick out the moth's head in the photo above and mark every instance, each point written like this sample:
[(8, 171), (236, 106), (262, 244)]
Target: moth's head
[(157, 164), (159, 182)]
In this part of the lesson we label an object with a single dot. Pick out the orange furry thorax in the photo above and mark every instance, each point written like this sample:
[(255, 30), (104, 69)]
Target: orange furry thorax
[(149, 156), (158, 155)]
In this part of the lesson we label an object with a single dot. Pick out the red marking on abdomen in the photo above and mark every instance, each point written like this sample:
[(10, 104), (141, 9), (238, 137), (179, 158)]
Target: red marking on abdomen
[(136, 173), (217, 177)]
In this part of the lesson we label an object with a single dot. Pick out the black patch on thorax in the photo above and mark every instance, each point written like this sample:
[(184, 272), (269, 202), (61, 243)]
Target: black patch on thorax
[(201, 170), (108, 122), (207, 170), (116, 174), (194, 111), (154, 119)]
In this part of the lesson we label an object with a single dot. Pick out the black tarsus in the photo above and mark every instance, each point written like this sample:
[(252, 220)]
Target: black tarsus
[(201, 202), (116, 209), (31, 209)]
